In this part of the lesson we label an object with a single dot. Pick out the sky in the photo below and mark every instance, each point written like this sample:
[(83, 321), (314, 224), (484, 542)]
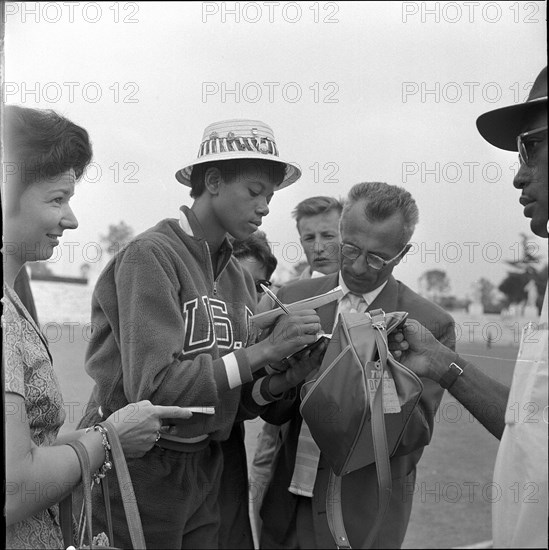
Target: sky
[(354, 91)]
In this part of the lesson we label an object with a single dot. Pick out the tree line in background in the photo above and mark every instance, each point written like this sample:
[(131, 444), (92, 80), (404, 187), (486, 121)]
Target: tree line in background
[(118, 235), (434, 283), (524, 281)]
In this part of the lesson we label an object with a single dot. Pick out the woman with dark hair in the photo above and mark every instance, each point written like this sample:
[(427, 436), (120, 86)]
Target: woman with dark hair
[(255, 256), (45, 155)]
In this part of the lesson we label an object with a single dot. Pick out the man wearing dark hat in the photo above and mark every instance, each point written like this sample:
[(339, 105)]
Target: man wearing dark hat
[(170, 318), (516, 415)]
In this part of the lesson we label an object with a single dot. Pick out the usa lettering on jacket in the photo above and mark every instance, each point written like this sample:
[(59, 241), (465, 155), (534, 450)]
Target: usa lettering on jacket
[(209, 322)]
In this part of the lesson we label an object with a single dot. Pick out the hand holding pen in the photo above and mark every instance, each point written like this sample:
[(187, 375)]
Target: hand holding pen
[(274, 298), (297, 366), (292, 331)]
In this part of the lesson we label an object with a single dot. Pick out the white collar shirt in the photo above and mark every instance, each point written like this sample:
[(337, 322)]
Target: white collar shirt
[(369, 297)]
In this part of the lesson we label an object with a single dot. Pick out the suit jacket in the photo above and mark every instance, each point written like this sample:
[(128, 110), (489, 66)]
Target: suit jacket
[(359, 488)]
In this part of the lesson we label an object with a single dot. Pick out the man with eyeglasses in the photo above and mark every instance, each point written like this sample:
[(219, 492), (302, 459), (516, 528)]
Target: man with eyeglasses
[(317, 223), (377, 223), (516, 415)]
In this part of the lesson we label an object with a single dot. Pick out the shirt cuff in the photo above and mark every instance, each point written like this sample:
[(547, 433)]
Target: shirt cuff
[(235, 372), (261, 394)]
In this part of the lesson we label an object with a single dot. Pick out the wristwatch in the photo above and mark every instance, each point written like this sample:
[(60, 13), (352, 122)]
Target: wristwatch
[(451, 375)]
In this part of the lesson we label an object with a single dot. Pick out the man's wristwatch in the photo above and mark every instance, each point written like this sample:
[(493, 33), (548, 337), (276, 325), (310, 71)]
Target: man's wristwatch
[(451, 375)]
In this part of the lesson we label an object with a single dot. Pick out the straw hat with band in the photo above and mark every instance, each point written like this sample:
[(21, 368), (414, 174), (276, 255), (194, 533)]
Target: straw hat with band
[(238, 139), (502, 126)]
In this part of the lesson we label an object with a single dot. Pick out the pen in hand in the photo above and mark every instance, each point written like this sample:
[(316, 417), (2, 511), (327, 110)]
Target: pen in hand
[(273, 297)]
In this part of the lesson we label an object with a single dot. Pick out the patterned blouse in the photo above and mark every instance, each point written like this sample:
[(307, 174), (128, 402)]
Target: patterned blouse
[(28, 372)]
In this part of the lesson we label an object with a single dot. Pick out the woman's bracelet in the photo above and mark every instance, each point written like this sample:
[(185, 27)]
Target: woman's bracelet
[(107, 464)]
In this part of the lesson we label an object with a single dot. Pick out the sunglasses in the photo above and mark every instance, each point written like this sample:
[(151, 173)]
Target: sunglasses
[(352, 252), (260, 282), (527, 146)]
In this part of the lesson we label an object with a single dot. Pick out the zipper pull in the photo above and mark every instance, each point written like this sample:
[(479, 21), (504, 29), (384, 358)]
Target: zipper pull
[(215, 288)]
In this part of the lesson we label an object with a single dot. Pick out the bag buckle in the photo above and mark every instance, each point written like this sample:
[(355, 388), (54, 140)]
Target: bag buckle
[(377, 317)]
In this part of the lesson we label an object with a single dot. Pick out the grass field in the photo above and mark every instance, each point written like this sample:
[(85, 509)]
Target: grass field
[(452, 493)]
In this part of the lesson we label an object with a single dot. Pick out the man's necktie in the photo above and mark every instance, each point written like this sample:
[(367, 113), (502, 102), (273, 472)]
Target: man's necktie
[(353, 303), (306, 464)]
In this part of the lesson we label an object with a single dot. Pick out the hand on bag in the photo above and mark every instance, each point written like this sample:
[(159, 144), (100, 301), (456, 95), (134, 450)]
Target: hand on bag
[(297, 368), (291, 333), (416, 348), (138, 425), (304, 364)]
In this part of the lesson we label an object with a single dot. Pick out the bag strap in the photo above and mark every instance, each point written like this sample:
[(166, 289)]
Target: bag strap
[(65, 510), (129, 501), (65, 521), (334, 513), (84, 459), (127, 493), (381, 452), (107, 502)]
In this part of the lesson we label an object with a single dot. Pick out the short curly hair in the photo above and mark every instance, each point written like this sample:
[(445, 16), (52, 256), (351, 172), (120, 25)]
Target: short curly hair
[(43, 144), (256, 246)]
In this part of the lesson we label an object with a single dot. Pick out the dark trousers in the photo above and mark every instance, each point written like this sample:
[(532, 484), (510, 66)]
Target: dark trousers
[(235, 530), (176, 495), (301, 531)]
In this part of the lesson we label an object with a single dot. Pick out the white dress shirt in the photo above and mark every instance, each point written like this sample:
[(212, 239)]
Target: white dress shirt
[(369, 297)]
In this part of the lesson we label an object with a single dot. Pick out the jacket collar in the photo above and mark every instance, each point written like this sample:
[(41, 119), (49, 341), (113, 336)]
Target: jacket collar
[(185, 217), (327, 312), (387, 299), (191, 226)]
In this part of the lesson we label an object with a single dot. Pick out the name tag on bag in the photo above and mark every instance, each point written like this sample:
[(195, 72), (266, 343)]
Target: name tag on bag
[(391, 403)]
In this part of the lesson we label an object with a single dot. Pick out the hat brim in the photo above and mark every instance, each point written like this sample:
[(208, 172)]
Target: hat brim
[(291, 175), (501, 127)]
